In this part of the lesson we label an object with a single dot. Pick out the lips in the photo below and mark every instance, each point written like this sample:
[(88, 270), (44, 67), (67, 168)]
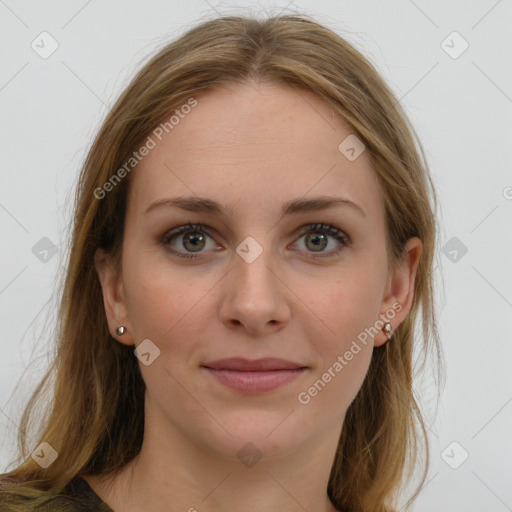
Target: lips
[(257, 365)]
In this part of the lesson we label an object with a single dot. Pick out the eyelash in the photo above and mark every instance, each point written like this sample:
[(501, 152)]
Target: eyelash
[(324, 227)]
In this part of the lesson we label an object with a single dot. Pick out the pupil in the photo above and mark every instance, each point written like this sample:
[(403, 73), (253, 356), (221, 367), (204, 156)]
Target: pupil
[(195, 240), (317, 240)]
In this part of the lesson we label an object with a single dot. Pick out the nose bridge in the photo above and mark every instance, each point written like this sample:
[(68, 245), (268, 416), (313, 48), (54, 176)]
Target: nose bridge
[(254, 266), (254, 295)]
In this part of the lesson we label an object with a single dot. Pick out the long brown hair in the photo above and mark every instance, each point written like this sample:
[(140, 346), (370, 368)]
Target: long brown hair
[(95, 417)]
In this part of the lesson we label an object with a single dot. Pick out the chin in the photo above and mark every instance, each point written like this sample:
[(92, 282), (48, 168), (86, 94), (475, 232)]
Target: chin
[(268, 435)]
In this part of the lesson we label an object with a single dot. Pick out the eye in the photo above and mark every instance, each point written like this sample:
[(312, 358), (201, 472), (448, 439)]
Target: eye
[(317, 238), (194, 239)]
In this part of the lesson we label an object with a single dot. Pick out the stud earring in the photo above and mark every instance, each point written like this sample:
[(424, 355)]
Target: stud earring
[(120, 330), (387, 330)]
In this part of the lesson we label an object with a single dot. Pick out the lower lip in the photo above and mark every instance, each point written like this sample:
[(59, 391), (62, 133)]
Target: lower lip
[(255, 381)]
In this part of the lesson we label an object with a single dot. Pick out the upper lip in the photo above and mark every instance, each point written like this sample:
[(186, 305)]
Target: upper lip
[(241, 364)]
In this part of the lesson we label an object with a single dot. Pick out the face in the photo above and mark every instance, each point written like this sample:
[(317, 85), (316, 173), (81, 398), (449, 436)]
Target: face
[(248, 281)]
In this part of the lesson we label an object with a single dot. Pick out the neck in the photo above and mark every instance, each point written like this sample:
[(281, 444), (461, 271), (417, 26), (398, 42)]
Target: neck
[(156, 481), (176, 471)]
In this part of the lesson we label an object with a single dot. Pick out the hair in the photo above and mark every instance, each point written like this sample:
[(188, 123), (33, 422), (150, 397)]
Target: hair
[(95, 416)]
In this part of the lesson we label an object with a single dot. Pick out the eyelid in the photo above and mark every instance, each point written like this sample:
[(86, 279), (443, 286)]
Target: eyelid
[(331, 229)]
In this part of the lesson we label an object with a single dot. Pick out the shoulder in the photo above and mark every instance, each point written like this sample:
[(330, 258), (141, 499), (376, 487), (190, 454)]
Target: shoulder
[(77, 496)]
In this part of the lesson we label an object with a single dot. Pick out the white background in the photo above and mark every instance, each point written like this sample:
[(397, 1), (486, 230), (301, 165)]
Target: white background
[(461, 108)]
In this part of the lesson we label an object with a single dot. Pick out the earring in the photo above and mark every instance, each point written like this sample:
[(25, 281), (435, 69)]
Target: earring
[(387, 330), (120, 330)]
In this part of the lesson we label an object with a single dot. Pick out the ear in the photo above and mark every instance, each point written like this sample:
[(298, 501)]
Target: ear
[(400, 289), (113, 296)]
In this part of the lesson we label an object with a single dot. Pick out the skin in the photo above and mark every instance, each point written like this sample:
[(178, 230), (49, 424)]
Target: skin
[(250, 147)]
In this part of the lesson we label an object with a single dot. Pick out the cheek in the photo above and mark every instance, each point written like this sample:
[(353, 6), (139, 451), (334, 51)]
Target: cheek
[(162, 308), (343, 332), (348, 305), (343, 358), (156, 297)]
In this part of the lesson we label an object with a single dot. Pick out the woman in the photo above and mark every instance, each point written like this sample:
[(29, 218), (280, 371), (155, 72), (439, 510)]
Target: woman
[(253, 242)]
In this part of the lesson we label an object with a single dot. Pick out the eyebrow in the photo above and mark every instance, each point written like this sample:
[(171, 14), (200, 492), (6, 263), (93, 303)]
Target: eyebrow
[(204, 205)]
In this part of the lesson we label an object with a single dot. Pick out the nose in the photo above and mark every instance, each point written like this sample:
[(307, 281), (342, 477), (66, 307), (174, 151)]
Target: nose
[(255, 297)]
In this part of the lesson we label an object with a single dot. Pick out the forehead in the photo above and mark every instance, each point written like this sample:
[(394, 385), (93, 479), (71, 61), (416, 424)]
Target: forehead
[(254, 147)]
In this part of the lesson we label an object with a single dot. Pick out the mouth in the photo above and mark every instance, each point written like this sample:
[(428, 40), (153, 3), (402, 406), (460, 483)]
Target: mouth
[(254, 376), (257, 365)]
